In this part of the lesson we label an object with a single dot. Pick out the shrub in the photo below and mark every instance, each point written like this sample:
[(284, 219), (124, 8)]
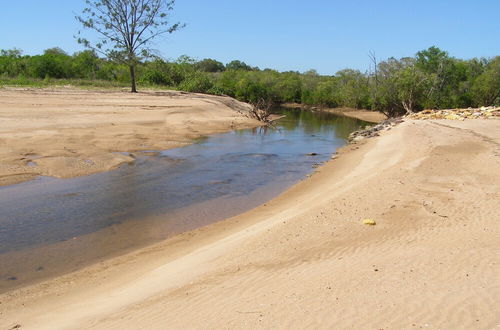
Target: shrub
[(196, 83), (155, 77)]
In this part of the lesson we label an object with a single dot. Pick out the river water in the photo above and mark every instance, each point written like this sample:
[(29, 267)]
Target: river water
[(51, 226)]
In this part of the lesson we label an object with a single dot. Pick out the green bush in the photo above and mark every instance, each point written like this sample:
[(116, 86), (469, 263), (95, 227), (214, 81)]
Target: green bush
[(430, 79), (154, 77), (196, 83)]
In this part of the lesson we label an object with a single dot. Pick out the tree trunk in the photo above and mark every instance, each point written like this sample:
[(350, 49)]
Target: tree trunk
[(408, 107), (132, 79)]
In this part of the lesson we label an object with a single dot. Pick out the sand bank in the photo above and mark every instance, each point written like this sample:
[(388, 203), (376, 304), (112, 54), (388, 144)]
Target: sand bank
[(67, 132), (305, 260), (366, 115)]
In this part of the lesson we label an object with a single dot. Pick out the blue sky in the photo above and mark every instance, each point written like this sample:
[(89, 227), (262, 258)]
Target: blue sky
[(283, 35)]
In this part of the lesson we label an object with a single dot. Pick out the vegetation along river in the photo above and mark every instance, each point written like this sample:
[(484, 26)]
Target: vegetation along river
[(51, 226)]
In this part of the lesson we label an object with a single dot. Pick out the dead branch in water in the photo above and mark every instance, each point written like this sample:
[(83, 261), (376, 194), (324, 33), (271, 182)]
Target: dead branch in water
[(261, 110)]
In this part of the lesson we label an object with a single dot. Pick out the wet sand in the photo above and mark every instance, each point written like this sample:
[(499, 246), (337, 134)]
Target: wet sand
[(305, 260), (68, 132)]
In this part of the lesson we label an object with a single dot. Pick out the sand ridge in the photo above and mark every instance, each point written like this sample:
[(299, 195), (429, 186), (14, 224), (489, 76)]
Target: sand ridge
[(69, 132), (305, 260)]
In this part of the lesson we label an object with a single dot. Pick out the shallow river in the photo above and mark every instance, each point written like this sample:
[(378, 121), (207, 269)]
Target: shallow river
[(50, 226)]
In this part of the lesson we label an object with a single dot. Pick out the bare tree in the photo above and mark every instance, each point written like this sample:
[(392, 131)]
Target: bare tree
[(373, 58), (126, 28), (374, 90)]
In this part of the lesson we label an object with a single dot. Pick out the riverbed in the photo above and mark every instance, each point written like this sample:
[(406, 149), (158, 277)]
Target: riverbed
[(50, 226)]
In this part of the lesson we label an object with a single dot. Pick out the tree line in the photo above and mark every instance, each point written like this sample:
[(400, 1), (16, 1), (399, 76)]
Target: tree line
[(430, 79)]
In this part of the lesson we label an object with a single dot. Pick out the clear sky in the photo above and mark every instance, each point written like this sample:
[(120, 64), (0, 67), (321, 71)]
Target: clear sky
[(283, 34)]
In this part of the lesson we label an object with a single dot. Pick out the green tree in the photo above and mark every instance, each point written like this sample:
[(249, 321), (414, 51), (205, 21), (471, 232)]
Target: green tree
[(54, 63), (11, 62), (86, 64), (387, 89), (56, 51), (238, 65), (227, 80), (326, 93), (16, 53), (309, 81), (441, 71), (210, 65), (158, 72), (431, 60), (290, 87), (126, 28), (411, 85), (353, 88), (197, 82), (486, 88)]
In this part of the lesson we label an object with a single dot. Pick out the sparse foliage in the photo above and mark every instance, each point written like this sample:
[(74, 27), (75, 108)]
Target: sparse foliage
[(126, 28)]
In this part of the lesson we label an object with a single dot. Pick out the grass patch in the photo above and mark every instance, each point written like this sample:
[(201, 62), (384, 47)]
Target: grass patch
[(78, 83)]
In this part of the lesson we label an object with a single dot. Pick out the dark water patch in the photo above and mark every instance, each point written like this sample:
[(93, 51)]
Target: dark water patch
[(63, 224)]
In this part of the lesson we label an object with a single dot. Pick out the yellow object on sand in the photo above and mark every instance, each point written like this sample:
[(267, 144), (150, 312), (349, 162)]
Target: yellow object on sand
[(369, 222)]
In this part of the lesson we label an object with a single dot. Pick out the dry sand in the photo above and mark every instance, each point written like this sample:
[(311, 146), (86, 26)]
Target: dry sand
[(68, 132), (304, 260)]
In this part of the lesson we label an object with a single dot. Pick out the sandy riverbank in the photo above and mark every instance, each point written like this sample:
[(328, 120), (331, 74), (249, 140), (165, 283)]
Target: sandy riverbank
[(366, 115), (68, 132), (304, 260)]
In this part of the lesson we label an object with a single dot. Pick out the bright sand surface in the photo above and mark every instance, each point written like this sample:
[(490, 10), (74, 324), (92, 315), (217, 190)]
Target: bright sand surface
[(69, 132), (305, 260)]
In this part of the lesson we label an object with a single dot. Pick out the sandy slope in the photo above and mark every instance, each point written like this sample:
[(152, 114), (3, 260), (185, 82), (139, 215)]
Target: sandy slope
[(69, 132), (304, 260)]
